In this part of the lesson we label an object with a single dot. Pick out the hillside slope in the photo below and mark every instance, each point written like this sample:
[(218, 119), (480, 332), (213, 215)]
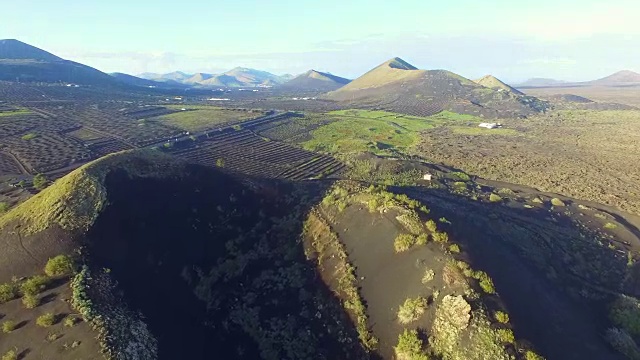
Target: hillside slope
[(314, 80), (26, 63), (398, 86), (492, 82)]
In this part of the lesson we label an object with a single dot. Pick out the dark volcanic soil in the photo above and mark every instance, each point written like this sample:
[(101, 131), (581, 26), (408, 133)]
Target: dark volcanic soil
[(216, 269)]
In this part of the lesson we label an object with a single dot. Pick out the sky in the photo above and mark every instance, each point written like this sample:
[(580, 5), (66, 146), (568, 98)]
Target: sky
[(513, 40)]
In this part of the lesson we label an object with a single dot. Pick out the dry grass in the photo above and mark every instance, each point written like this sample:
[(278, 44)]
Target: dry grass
[(589, 155)]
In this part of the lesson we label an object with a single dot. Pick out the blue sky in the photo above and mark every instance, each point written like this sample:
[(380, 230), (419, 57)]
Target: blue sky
[(514, 40)]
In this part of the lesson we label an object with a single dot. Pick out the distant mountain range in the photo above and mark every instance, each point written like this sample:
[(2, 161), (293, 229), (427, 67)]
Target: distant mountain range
[(237, 77), (620, 78)]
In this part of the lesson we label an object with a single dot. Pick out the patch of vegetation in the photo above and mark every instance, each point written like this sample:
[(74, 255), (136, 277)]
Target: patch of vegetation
[(461, 175), (8, 292), (220, 163), (557, 202), (404, 242), (506, 336), (485, 282), (40, 181), (46, 320), (60, 265), (412, 310), (429, 274), (454, 248), (29, 136), (203, 117), (422, 239), (34, 285), (411, 221), (440, 237), (4, 206), (361, 131), (431, 226), (623, 343), (475, 131), (10, 355), (30, 301), (495, 197), (409, 346), (610, 226), (530, 355), (502, 317), (70, 321), (625, 313), (8, 326)]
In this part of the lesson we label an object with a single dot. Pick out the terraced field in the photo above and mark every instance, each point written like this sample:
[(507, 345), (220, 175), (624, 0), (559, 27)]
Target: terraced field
[(246, 152), (8, 165)]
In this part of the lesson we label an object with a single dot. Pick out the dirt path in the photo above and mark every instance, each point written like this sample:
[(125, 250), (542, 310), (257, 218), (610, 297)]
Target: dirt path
[(23, 169)]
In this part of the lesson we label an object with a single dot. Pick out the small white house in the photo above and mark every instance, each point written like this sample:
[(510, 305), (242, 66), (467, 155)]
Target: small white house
[(427, 177), (490, 125)]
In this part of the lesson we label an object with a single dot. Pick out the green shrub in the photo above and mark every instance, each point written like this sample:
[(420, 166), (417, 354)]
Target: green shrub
[(29, 136), (444, 220), (461, 175), (8, 292), (454, 248), (623, 342), (440, 237), (404, 242), (3, 207), (428, 276), (59, 266), (422, 239), (8, 326), (70, 321), (495, 197), (502, 317), (373, 205), (485, 282), (40, 181), (625, 313), (34, 285), (606, 226), (557, 202), (460, 185), (30, 301), (10, 355), (412, 309), (530, 355), (506, 336), (46, 320), (220, 163), (431, 226), (409, 346)]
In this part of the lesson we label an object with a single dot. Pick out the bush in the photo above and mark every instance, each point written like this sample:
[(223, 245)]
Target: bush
[(40, 181), (530, 355), (59, 266), (8, 326), (485, 282), (502, 317), (29, 136), (431, 226), (3, 207), (422, 239), (412, 309), (506, 336), (404, 242), (409, 346), (557, 202), (34, 285), (70, 321), (46, 320), (428, 276), (454, 248), (495, 197), (625, 313), (440, 237), (623, 342), (10, 355), (8, 292), (606, 226), (220, 163), (461, 175), (30, 301)]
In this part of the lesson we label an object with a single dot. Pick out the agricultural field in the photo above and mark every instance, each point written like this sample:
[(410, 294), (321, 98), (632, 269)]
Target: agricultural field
[(199, 118), (590, 155), (245, 152), (378, 132)]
